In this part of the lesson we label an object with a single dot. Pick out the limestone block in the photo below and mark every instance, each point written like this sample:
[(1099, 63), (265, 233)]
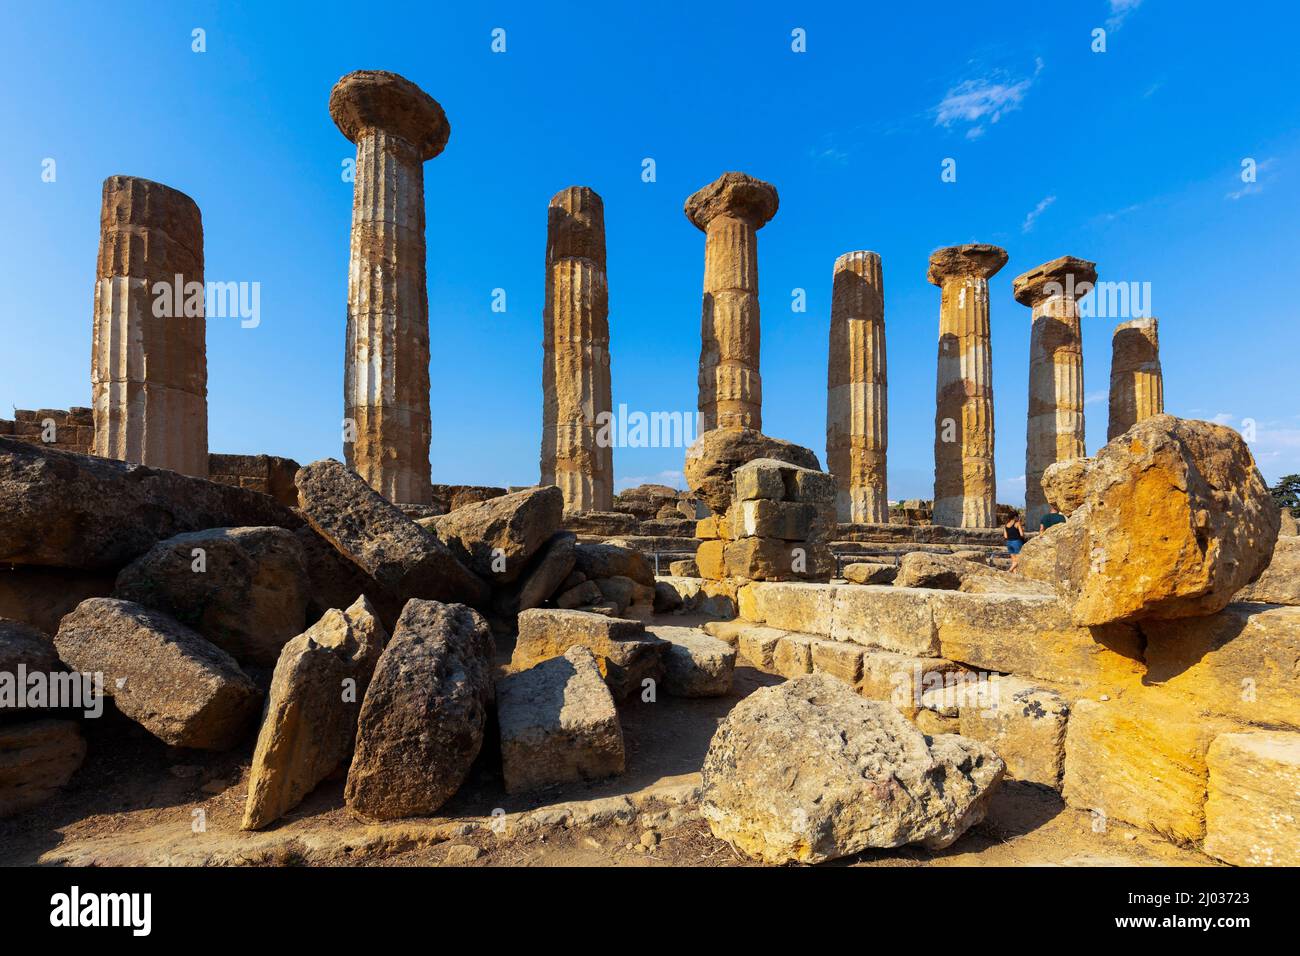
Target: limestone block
[(626, 654), (1024, 724), (695, 664), (558, 724), (1252, 815)]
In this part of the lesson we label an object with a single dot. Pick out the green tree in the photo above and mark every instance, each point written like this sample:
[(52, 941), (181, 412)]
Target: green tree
[(1287, 493)]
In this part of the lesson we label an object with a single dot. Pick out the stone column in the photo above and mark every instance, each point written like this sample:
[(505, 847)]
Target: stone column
[(857, 421), (965, 485), (397, 127), (148, 363), (1055, 429), (575, 353), (731, 210), (1137, 386)]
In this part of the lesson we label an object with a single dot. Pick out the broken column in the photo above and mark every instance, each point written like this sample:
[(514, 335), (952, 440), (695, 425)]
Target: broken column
[(857, 424), (575, 360), (1137, 386), (148, 363), (964, 481), (731, 210), (397, 127), (1055, 430)]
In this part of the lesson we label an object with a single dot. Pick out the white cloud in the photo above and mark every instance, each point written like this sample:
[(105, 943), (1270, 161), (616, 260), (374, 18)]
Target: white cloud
[(1036, 212), (1119, 11), (983, 100), (1092, 398)]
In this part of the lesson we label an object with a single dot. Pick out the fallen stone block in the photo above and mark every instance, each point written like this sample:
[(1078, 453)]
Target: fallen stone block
[(422, 718), (244, 589), (716, 454), (667, 599), (1280, 582), (1193, 480), (497, 538), (949, 572), (1024, 724), (170, 680), (695, 664), (807, 771), (79, 511), (793, 656), (1251, 816), (336, 582), (37, 758), (1141, 760), (558, 724), (401, 556), (867, 572), (610, 560), (626, 654), (1242, 663), (903, 679), (310, 725), (543, 579)]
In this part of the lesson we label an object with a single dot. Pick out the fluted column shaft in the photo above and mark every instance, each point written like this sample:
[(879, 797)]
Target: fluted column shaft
[(576, 387), (1055, 426), (730, 211), (965, 483), (857, 420), (397, 127), (148, 367), (1137, 385), (731, 388)]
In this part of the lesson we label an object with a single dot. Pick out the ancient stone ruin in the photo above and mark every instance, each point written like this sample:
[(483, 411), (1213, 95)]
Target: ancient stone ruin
[(343, 663)]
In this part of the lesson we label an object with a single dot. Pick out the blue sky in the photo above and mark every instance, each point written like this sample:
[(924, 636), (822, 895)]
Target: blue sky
[(1131, 157)]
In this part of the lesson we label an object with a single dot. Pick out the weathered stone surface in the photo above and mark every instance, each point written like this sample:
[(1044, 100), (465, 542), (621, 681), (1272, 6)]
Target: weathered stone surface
[(667, 598), (310, 725), (711, 559), (758, 644), (1280, 582), (695, 664), (839, 660), (867, 572), (422, 719), (558, 724), (792, 606), (1024, 724), (79, 511), (37, 758), (1250, 813), (149, 372), (685, 568), (180, 687), (336, 582), (1137, 386), (400, 555), (1290, 527), (1195, 482), (576, 390), (496, 538), (543, 578), (583, 593), (904, 680), (793, 656), (1242, 663), (1063, 485), (40, 596), (808, 771), (857, 421), (23, 644), (1055, 432), (1140, 760), (947, 572), (891, 618), (396, 127), (625, 653), (244, 589), (964, 479), (611, 560), (730, 211), (715, 455)]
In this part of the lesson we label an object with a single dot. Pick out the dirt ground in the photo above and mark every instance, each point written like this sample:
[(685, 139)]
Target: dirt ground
[(138, 802)]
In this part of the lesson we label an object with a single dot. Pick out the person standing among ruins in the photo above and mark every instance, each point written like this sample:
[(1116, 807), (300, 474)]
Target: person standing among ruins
[(1052, 517), (1014, 531)]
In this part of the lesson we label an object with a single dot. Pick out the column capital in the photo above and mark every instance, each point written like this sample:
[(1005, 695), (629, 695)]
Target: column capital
[(1064, 275), (377, 99), (733, 194), (974, 259)]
